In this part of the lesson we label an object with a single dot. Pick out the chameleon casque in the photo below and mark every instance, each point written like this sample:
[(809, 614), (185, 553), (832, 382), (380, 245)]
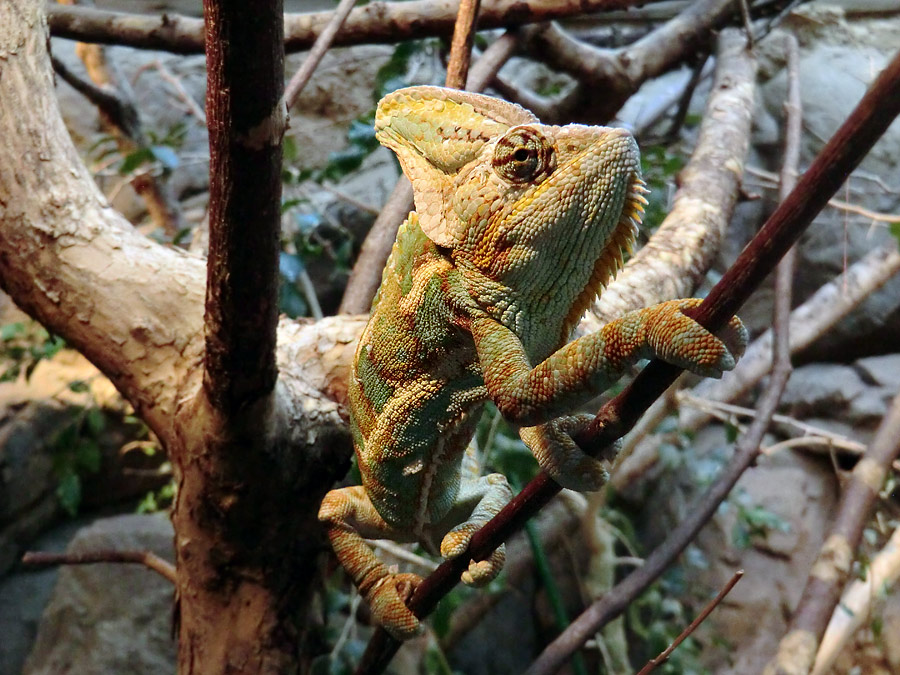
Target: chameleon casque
[(517, 228)]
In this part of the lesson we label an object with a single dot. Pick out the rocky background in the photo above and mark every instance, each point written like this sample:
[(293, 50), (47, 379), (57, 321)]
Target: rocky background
[(116, 618)]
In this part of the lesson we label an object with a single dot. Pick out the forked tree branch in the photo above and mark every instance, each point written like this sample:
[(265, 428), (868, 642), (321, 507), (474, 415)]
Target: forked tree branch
[(869, 120)]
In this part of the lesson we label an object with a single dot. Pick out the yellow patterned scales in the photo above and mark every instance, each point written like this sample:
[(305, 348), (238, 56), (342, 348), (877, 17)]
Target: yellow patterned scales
[(517, 228)]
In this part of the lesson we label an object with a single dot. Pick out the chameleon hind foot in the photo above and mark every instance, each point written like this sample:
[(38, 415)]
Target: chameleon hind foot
[(387, 597), (493, 493)]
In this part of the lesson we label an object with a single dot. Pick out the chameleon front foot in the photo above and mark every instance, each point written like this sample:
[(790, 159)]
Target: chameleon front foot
[(560, 456), (387, 598), (678, 339)]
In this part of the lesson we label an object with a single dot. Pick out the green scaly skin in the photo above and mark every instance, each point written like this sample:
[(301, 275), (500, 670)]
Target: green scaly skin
[(518, 226)]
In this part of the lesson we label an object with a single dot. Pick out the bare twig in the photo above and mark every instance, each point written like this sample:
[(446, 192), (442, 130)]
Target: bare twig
[(146, 558), (825, 308), (192, 105), (106, 101), (770, 179), (323, 42), (377, 22), (701, 617), (461, 47)]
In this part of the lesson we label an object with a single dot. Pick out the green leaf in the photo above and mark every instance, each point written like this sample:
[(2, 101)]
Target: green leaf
[(894, 229), (78, 386), (11, 331), (88, 455), (148, 504), (135, 159), (95, 421), (69, 492)]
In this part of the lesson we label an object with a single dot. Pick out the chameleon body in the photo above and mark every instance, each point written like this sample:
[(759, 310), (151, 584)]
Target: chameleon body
[(517, 228)]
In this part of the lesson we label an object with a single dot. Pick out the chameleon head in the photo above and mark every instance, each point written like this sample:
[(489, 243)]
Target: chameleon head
[(535, 213)]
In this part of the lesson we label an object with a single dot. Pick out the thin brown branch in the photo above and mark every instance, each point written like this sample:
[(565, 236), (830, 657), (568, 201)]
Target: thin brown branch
[(376, 22), (616, 600), (461, 46), (745, 454), (323, 42), (106, 101), (842, 153), (701, 617), (832, 568), (247, 118), (148, 559), (366, 274), (770, 180)]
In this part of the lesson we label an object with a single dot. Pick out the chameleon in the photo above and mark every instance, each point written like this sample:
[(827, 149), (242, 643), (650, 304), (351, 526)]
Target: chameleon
[(517, 228)]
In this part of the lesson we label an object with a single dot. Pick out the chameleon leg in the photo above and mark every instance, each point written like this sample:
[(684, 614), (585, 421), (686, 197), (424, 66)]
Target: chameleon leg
[(530, 396), (490, 494), (559, 455), (348, 512)]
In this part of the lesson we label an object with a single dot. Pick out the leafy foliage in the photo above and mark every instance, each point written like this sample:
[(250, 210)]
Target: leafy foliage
[(76, 452), (23, 346), (754, 522)]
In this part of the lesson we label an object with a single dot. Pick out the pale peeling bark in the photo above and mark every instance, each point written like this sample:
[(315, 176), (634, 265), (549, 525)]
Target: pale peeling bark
[(134, 308), (680, 252)]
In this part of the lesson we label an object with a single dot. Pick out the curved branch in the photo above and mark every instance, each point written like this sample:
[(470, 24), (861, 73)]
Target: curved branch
[(146, 558), (373, 23)]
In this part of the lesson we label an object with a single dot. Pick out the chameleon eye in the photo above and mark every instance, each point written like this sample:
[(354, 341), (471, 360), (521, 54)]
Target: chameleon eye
[(523, 155)]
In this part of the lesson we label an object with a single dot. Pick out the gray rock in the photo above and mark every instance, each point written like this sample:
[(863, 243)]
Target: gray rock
[(23, 596), (823, 389), (110, 618)]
